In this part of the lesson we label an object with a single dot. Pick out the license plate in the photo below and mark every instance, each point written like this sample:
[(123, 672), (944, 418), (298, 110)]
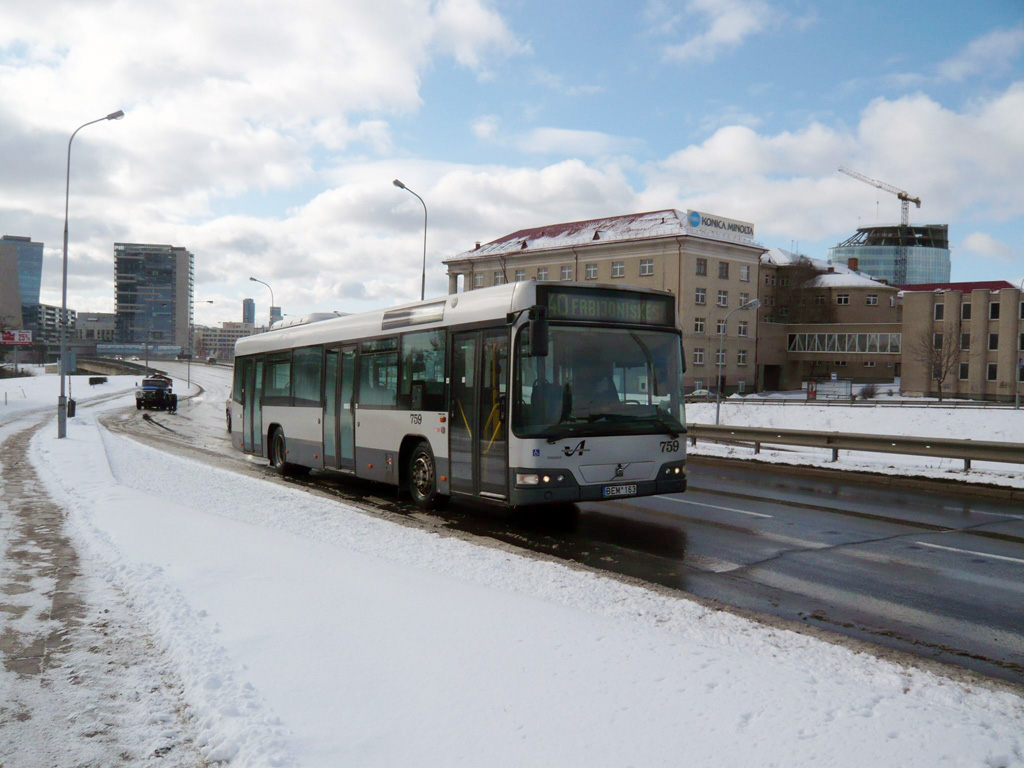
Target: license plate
[(618, 490)]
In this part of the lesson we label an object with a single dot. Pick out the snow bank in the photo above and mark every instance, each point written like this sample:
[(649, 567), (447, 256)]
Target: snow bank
[(308, 633)]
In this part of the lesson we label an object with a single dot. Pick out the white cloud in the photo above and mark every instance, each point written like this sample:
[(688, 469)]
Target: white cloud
[(985, 246), (485, 127), (992, 53), (577, 143), (729, 23)]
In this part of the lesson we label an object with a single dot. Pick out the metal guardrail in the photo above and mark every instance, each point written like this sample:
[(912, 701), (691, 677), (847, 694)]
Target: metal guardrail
[(938, 447), (861, 403)]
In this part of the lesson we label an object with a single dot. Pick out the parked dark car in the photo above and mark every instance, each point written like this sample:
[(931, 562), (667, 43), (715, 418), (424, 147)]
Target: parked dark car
[(155, 392)]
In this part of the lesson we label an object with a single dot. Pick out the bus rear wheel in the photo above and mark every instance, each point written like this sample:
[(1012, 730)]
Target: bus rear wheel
[(277, 453), (421, 476)]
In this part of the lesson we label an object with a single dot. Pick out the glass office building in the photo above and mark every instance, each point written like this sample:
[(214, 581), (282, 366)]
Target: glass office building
[(876, 251), (153, 287), (29, 258)]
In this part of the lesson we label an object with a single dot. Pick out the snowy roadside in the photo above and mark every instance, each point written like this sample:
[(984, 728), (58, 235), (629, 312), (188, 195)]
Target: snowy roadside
[(306, 633), (965, 423)]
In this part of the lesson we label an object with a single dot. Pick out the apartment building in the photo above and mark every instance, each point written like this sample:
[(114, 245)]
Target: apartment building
[(710, 263), (967, 338), (818, 319), (220, 342)]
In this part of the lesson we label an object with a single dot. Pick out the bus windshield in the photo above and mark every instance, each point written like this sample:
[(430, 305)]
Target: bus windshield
[(599, 381)]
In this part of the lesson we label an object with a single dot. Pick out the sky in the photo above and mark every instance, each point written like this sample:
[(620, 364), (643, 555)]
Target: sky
[(264, 136)]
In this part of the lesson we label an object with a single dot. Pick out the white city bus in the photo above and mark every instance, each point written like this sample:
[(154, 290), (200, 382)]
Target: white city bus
[(524, 393)]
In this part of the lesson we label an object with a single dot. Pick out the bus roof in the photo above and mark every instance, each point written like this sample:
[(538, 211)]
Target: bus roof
[(479, 305)]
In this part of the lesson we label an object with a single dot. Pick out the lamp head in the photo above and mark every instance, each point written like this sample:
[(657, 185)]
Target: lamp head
[(254, 279), (115, 115), (398, 184), (753, 304)]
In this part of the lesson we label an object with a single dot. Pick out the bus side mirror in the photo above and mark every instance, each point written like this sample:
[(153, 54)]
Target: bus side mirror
[(538, 332)]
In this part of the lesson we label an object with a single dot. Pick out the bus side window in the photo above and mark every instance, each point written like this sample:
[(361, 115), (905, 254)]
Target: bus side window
[(423, 371)]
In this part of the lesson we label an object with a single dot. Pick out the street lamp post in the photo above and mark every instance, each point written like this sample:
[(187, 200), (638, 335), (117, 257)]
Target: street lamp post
[(752, 304), (1020, 368), (191, 347), (423, 277), (272, 305), (62, 401)]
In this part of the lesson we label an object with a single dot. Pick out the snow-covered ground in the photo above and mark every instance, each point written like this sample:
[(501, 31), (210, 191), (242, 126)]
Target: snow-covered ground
[(304, 632), (934, 421)]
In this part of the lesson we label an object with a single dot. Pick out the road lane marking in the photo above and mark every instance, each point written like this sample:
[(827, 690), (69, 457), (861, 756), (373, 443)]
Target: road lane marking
[(715, 506), (970, 552), (983, 512)]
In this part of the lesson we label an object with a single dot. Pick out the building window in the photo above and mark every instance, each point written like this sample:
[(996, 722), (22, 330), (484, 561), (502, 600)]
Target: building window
[(698, 383), (723, 298), (520, 275), (699, 296), (566, 273), (499, 278), (702, 267), (936, 341), (618, 269), (698, 325), (1020, 342), (993, 310), (698, 357), (869, 363), (720, 327), (478, 280), (745, 273), (843, 298), (892, 300), (769, 279), (1022, 310), (871, 300), (964, 369), (744, 298), (590, 271), (542, 273), (784, 311), (741, 328), (965, 311), (965, 341), (723, 270), (840, 363), (819, 299), (646, 267), (940, 311), (993, 342), (993, 371), (720, 357), (741, 357), (784, 282)]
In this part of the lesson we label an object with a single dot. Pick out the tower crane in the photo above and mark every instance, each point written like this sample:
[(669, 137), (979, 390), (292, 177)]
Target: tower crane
[(900, 270), (905, 198)]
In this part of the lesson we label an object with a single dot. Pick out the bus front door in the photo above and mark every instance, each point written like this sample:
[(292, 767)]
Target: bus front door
[(339, 432), (478, 417), (252, 411)]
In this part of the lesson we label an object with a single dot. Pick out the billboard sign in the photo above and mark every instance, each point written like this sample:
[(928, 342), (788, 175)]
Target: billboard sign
[(16, 338), (709, 224)]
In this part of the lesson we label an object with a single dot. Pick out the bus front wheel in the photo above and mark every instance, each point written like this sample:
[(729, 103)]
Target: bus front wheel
[(422, 478)]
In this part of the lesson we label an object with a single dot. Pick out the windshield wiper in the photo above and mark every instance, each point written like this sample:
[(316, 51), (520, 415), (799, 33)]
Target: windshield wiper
[(673, 427)]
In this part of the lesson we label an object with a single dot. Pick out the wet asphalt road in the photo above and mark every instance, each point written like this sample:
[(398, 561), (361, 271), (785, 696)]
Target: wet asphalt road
[(934, 575)]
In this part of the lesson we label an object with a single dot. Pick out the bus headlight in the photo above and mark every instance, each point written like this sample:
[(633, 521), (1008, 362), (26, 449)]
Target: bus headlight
[(527, 479)]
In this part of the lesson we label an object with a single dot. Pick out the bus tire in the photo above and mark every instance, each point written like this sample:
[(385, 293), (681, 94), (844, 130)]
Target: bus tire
[(421, 477), (278, 451)]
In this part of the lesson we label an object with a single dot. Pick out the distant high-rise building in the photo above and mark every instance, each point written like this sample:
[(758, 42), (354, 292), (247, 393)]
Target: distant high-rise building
[(877, 251), (21, 259), (153, 290), (275, 315), (249, 311)]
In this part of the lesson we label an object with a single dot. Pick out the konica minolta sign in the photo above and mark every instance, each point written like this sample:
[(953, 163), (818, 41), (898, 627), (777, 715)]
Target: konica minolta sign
[(711, 224)]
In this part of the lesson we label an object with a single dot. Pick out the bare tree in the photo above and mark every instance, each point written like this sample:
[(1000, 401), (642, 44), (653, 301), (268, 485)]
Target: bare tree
[(938, 353)]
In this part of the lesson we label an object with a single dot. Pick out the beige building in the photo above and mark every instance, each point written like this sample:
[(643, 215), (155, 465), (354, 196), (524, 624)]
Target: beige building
[(818, 319), (220, 342), (710, 263), (977, 327)]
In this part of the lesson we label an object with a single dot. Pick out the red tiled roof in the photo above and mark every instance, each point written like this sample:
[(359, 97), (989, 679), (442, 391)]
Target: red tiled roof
[(983, 285)]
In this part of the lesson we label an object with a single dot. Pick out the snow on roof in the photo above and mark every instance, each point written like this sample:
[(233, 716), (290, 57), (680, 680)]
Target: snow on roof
[(836, 275), (986, 285), (633, 226), (847, 279)]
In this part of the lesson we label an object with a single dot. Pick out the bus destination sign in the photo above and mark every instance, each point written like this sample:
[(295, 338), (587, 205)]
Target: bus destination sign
[(600, 306)]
